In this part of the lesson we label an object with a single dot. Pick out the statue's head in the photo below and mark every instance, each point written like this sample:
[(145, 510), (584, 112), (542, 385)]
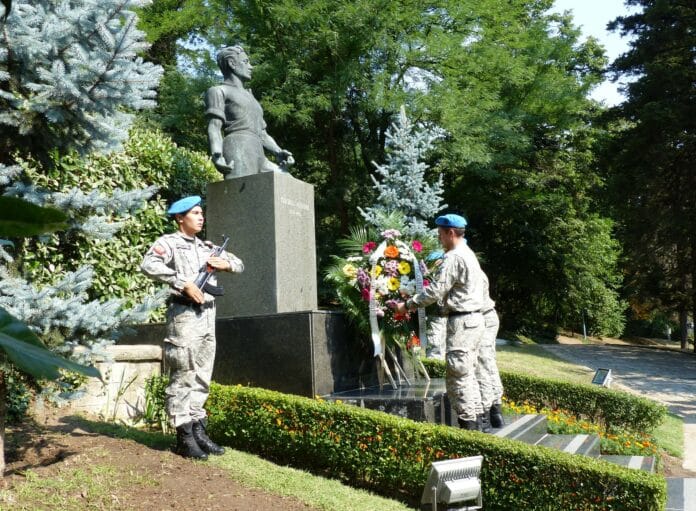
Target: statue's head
[(232, 60)]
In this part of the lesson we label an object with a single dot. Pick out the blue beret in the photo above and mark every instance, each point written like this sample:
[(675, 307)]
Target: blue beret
[(183, 205), (451, 220), (435, 255)]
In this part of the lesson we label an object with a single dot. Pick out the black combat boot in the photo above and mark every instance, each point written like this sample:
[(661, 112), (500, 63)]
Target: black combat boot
[(471, 425), (203, 441), (496, 414), (485, 421), (186, 445)]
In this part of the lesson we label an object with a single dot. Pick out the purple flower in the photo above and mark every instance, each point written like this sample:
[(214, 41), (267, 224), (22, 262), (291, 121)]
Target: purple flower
[(391, 267), (390, 234), (363, 278)]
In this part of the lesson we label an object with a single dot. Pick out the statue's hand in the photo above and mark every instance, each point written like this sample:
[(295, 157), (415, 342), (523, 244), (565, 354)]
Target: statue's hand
[(285, 159), (222, 165)]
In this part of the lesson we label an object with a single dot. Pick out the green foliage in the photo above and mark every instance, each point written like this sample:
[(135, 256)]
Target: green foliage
[(148, 158), (20, 218), (19, 395), (180, 110), (155, 412), (612, 408), (649, 159), (392, 456), (26, 352)]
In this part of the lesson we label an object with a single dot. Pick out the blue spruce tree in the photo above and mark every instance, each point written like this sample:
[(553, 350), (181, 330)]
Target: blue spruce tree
[(402, 187), (70, 78), (70, 75)]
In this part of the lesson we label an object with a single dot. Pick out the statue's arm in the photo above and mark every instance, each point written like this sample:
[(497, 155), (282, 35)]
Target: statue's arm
[(269, 143), (215, 111)]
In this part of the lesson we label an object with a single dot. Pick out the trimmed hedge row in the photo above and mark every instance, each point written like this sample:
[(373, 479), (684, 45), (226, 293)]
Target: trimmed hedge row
[(392, 456), (611, 408)]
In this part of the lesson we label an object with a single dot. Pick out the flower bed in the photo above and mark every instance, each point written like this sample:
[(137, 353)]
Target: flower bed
[(615, 441)]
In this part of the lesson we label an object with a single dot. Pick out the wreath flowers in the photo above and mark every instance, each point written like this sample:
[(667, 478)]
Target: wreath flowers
[(380, 272)]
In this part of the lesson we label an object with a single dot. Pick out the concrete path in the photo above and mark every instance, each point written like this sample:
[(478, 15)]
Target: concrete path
[(663, 375)]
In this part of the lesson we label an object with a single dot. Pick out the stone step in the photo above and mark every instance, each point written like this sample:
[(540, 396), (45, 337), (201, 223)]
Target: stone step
[(646, 463), (681, 494), (586, 445), (527, 428)]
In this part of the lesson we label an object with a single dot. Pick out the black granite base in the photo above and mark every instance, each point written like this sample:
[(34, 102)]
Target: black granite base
[(421, 401), (311, 353)]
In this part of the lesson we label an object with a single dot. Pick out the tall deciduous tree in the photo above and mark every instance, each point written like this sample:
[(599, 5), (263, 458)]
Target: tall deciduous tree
[(653, 155), (505, 79)]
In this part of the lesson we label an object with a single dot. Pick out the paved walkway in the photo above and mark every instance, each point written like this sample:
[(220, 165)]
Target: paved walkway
[(663, 375)]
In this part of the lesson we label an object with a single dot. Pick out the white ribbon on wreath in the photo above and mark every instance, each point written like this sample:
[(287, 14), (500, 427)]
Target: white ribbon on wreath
[(407, 255)]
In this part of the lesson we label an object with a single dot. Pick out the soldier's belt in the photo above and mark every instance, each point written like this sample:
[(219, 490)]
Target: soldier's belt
[(461, 313), (180, 300)]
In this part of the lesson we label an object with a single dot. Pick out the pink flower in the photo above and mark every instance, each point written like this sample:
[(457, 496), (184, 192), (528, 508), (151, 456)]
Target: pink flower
[(365, 294), (426, 282), (369, 247), (416, 245)]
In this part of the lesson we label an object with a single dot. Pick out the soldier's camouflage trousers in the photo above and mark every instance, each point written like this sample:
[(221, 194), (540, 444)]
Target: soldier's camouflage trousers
[(463, 339), (437, 337), (487, 369), (189, 354)]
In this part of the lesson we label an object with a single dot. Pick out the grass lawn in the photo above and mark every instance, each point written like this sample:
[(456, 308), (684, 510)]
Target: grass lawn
[(535, 360), (326, 494)]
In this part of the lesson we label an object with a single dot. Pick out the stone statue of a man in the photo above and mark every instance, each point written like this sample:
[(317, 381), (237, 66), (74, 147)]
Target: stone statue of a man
[(231, 109)]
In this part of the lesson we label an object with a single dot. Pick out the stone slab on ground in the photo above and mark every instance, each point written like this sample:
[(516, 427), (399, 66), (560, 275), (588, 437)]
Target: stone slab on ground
[(681, 494)]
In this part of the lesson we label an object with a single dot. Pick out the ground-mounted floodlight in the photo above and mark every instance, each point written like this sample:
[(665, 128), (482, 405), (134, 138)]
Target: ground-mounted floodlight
[(454, 481), (602, 377)]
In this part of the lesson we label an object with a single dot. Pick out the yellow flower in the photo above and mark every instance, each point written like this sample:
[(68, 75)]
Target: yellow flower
[(377, 270), (404, 268), (350, 271), (393, 284)]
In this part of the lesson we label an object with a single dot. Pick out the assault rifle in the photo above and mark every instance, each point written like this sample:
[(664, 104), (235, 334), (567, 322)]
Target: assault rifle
[(207, 271)]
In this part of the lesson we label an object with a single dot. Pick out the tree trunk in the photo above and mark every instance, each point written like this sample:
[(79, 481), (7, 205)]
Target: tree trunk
[(683, 327), (3, 411)]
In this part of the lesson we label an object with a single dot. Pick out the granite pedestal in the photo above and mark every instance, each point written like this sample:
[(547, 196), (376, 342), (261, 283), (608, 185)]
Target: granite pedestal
[(306, 353), (269, 218)]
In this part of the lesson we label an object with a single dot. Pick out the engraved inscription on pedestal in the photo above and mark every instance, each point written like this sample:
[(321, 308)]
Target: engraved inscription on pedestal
[(270, 220)]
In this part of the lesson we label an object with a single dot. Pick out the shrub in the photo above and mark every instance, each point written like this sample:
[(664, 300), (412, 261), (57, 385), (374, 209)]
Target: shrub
[(392, 456), (148, 158), (610, 408), (155, 412)]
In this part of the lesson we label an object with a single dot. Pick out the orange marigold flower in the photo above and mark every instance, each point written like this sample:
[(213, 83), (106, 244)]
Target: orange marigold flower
[(391, 251)]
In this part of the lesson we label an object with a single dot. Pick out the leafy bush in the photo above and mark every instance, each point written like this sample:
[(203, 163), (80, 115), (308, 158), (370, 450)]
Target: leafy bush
[(610, 408), (149, 158), (392, 456), (19, 395), (155, 413)]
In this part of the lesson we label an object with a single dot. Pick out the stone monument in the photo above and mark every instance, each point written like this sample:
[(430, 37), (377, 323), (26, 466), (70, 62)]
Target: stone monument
[(269, 331)]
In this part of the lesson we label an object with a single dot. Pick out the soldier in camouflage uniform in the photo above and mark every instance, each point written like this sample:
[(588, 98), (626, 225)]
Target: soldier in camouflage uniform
[(487, 369), (189, 348), (460, 285)]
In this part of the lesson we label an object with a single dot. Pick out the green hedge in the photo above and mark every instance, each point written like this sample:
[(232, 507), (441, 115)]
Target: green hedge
[(604, 406), (392, 456)]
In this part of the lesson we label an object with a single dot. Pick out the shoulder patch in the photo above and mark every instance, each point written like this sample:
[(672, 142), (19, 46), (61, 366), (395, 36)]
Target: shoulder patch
[(159, 250)]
